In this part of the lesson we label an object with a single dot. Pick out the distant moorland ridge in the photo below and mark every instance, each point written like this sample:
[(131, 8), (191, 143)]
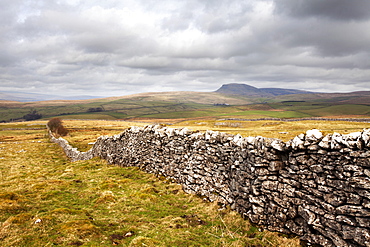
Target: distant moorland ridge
[(229, 89), (229, 101)]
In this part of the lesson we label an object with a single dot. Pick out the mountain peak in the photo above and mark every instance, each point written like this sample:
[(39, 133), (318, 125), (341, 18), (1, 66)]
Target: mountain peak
[(247, 90), (240, 89)]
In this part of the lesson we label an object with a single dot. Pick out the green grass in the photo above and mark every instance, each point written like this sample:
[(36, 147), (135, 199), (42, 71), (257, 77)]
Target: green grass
[(12, 113), (116, 115), (89, 116), (24, 125), (339, 110), (183, 114), (268, 114), (230, 111), (322, 109), (47, 200)]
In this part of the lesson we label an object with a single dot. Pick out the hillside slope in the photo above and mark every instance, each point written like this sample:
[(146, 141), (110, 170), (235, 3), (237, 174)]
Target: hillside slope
[(249, 103)]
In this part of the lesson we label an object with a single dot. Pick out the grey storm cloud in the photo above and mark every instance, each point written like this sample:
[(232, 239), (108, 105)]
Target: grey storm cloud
[(113, 47), (342, 10)]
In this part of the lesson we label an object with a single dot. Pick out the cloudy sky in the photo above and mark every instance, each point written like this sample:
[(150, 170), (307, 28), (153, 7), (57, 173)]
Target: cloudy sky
[(121, 47)]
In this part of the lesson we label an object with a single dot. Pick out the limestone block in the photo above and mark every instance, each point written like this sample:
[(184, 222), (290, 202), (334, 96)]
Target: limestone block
[(353, 210), (363, 221), (278, 145), (365, 136), (325, 142), (313, 136), (349, 220), (294, 228), (360, 182), (275, 165)]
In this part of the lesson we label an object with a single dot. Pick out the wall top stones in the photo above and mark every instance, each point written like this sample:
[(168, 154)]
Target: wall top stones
[(359, 140)]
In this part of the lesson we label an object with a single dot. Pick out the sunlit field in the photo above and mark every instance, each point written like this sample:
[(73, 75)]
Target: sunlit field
[(84, 132), (274, 129), (46, 200)]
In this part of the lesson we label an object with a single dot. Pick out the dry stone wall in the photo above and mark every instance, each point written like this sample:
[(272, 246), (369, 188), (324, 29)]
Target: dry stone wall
[(314, 186), (70, 151)]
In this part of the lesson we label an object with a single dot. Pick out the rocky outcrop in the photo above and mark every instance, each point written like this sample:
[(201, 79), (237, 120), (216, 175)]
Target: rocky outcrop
[(314, 186)]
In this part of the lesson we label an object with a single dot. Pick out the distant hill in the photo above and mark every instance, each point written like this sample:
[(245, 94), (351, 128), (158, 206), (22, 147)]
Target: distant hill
[(247, 90), (32, 97)]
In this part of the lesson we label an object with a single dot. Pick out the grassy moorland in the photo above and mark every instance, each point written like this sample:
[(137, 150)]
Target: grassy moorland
[(46, 200), (83, 132), (118, 107), (177, 105)]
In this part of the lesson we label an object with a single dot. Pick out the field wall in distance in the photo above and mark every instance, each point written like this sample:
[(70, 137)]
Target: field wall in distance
[(314, 186)]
